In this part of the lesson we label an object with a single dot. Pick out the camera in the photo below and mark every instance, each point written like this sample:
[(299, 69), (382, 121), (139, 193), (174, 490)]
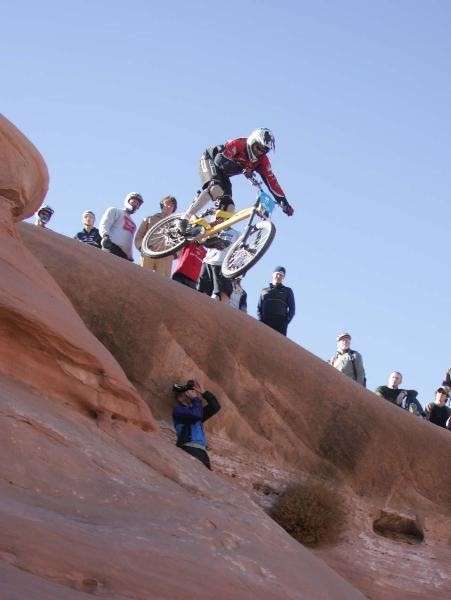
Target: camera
[(179, 388)]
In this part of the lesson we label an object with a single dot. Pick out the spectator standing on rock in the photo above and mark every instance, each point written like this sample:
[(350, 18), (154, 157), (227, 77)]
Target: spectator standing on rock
[(117, 227), (406, 399), (43, 216), (168, 206), (89, 234), (437, 412), (276, 306), (347, 361), (190, 414), (238, 298), (188, 265)]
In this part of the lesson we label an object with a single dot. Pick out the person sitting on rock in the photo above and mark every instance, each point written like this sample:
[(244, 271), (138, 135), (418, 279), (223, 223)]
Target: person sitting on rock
[(89, 234), (43, 216), (438, 412), (189, 415), (406, 399), (117, 227)]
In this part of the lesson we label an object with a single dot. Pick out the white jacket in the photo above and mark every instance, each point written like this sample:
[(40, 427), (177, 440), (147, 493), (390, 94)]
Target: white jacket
[(118, 224)]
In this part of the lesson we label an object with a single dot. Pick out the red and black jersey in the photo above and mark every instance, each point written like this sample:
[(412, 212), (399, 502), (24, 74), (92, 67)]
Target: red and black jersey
[(232, 158)]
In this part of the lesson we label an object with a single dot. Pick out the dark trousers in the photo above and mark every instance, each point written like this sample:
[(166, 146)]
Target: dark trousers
[(279, 324), (199, 454), (116, 250), (185, 280), (212, 281)]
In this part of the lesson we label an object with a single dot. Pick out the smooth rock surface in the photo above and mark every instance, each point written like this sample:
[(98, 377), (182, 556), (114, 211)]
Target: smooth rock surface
[(93, 500), (286, 415)]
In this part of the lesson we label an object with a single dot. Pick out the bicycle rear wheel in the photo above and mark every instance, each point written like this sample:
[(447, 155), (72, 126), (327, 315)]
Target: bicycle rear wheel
[(163, 239), (242, 256)]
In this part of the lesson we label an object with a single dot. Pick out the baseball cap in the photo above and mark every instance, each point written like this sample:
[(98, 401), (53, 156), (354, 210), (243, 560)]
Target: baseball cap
[(343, 335), (279, 270)]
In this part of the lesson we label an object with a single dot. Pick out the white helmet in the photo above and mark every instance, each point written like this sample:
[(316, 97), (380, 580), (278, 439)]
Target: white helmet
[(264, 138), (128, 207)]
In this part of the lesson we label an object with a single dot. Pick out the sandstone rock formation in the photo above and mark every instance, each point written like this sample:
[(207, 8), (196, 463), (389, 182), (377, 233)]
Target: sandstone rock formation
[(93, 500), (286, 415), (38, 323), (95, 497)]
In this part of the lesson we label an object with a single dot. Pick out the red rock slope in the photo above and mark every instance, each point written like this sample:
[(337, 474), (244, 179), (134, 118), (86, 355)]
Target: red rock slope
[(93, 500), (287, 415)]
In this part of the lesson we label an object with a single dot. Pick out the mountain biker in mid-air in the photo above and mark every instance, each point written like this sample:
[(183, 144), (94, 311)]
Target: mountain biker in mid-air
[(219, 163)]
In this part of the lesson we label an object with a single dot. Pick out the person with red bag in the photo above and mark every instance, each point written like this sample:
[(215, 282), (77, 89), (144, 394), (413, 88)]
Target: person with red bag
[(189, 264)]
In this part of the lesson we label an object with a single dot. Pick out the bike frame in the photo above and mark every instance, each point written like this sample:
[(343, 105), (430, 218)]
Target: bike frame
[(229, 221)]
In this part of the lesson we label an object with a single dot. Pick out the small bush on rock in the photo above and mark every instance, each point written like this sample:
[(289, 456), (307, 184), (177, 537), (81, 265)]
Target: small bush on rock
[(311, 513)]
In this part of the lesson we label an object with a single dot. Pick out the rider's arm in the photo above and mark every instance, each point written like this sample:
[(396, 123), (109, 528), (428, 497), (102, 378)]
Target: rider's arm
[(264, 169)]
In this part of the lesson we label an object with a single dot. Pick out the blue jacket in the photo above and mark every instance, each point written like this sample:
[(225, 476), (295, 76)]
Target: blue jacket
[(188, 420)]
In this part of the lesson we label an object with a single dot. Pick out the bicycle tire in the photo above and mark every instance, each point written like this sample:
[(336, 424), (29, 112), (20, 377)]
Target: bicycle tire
[(235, 264), (163, 232)]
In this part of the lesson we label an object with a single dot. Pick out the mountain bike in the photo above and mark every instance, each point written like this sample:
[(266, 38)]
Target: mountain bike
[(164, 239)]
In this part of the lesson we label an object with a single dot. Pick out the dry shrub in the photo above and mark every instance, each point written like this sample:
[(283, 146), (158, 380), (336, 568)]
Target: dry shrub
[(311, 513)]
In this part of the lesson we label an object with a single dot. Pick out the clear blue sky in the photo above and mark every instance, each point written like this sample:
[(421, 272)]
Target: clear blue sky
[(124, 97)]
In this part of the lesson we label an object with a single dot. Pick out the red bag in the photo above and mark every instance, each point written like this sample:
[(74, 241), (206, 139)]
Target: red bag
[(189, 262)]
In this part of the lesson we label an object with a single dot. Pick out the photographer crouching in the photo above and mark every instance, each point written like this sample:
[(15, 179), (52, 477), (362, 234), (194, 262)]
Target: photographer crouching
[(189, 414)]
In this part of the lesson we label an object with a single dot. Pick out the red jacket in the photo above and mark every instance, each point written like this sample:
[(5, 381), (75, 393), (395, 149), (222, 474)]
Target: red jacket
[(233, 158), (189, 262)]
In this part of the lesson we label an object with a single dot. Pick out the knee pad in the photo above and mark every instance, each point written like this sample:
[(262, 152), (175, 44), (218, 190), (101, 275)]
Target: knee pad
[(215, 190), (225, 203)]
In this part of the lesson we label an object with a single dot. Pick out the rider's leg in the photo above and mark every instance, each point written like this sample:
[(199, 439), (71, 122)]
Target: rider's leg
[(214, 185), (212, 192)]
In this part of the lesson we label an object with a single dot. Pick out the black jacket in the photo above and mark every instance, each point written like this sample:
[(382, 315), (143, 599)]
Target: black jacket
[(276, 302), (92, 237)]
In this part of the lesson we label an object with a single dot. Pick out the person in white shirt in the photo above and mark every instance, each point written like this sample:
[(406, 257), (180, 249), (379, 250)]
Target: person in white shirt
[(117, 228)]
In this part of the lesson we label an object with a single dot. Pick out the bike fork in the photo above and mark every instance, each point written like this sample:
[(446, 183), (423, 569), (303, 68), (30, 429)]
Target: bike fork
[(249, 225)]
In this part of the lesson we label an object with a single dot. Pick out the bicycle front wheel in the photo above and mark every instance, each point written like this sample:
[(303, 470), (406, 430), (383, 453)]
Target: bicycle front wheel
[(163, 239), (242, 256)]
